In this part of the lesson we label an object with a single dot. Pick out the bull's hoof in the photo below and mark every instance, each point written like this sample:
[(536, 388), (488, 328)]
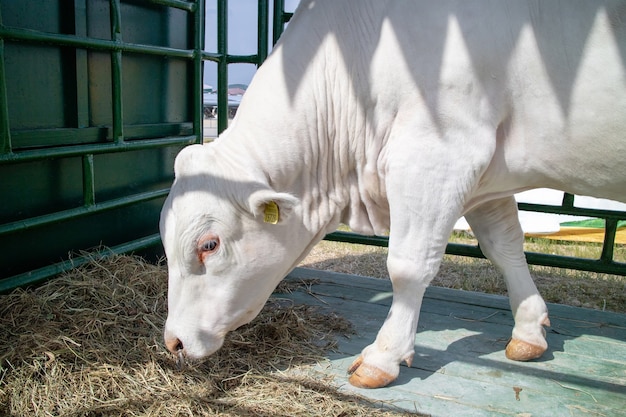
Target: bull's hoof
[(519, 350), (363, 375)]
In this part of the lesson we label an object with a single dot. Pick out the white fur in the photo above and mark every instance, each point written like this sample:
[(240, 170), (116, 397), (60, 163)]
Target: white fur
[(398, 116)]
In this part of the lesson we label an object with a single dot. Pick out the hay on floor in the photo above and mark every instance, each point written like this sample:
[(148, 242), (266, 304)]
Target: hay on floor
[(89, 343)]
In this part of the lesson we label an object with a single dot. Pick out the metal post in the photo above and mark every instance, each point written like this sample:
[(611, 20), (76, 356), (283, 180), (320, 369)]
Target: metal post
[(263, 31), (5, 131), (89, 189), (222, 66), (198, 73), (610, 231), (116, 72)]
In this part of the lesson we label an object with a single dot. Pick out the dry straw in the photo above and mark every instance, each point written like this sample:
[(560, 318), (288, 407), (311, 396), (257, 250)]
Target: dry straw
[(88, 343)]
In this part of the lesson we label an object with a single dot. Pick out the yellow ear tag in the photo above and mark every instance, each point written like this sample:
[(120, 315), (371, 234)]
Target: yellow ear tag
[(271, 213)]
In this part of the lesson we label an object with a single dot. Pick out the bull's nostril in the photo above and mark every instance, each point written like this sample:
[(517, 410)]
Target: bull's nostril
[(174, 345)]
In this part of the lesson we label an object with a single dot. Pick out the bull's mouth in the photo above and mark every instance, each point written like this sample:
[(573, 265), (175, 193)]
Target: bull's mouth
[(181, 361), (185, 356)]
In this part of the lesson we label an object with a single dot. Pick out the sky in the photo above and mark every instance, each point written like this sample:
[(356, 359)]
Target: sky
[(242, 32)]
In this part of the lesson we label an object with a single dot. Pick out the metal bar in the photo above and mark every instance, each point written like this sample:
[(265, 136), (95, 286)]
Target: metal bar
[(82, 66), (610, 232), (89, 187), (43, 274), (575, 211), (278, 20), (79, 150), (222, 66), (471, 251), (614, 268), (47, 138), (5, 129), (543, 259), (349, 237), (191, 7), (568, 200), (116, 73), (212, 56), (607, 267), (198, 73), (46, 219), (231, 59), (33, 36), (262, 31), (242, 59), (82, 89)]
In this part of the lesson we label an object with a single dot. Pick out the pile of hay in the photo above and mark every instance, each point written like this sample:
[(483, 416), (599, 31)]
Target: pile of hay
[(89, 343)]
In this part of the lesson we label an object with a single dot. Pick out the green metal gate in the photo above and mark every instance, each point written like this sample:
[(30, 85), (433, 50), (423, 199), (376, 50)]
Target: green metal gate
[(96, 99)]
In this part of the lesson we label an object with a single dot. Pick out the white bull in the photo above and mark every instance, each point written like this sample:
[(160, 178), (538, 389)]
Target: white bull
[(397, 116)]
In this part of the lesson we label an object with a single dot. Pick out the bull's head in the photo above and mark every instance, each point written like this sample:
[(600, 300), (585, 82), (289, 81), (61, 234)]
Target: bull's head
[(229, 239)]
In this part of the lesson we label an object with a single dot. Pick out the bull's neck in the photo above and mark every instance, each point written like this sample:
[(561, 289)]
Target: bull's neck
[(305, 128), (294, 157)]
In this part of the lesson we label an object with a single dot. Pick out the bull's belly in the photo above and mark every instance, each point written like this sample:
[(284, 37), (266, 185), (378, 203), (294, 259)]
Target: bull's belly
[(600, 178)]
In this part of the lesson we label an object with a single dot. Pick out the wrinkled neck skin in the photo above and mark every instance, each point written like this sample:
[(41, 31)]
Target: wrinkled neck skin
[(304, 133)]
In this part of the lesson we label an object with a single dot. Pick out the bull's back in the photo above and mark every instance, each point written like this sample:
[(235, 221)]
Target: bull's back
[(548, 79), (545, 78), (565, 105)]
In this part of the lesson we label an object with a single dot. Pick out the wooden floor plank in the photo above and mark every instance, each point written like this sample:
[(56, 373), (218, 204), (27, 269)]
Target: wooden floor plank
[(460, 368), (440, 392)]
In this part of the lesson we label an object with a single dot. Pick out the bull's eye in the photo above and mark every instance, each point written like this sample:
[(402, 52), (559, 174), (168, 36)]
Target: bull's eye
[(207, 245)]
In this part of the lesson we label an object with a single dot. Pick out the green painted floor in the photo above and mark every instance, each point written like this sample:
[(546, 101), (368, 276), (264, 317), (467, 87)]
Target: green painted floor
[(459, 367)]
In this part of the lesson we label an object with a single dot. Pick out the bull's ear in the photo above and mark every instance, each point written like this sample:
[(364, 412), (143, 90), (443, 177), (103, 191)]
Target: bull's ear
[(272, 207)]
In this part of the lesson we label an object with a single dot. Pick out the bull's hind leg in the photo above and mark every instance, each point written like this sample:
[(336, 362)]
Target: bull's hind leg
[(501, 239)]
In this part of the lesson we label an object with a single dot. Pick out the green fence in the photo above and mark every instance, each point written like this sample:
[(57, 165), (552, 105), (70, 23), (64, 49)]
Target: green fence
[(96, 99)]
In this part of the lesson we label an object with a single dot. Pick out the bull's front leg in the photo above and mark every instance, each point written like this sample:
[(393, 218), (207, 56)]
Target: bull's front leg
[(422, 218), (379, 363), (415, 253)]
